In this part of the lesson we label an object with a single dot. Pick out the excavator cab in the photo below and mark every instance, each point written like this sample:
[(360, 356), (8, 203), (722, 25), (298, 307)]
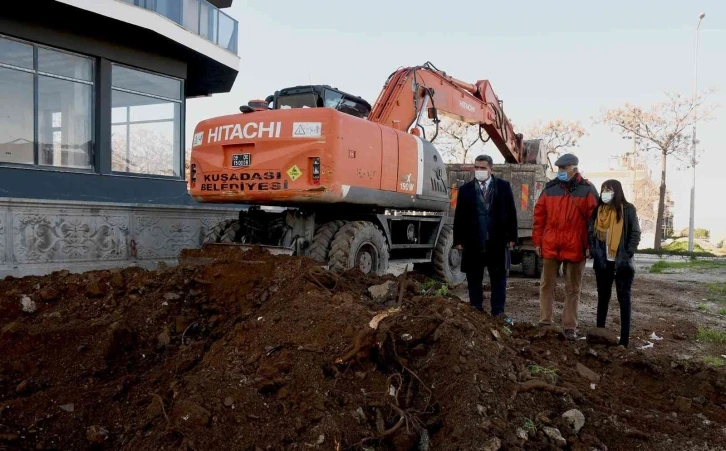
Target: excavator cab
[(312, 96)]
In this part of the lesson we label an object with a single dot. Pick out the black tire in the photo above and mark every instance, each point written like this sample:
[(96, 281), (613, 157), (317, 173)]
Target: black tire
[(531, 264), (359, 244), (230, 233), (446, 259), (540, 265), (322, 241), (215, 233)]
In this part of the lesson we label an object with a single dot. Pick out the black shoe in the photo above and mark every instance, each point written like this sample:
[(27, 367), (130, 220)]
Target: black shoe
[(571, 334)]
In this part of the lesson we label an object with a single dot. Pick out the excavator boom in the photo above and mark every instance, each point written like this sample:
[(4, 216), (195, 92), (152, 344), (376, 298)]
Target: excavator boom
[(412, 93)]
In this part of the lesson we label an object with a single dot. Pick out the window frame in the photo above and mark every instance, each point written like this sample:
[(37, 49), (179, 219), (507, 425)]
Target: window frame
[(36, 77), (182, 119)]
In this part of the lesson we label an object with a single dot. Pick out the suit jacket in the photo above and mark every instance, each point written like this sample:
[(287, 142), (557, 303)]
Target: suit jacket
[(502, 219)]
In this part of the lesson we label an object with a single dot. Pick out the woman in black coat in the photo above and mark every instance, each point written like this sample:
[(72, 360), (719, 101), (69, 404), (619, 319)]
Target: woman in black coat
[(614, 234)]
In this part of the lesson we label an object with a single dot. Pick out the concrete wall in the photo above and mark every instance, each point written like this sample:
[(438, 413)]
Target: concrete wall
[(40, 236)]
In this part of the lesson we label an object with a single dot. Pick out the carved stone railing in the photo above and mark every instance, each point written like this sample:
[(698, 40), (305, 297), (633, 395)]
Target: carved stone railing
[(38, 237)]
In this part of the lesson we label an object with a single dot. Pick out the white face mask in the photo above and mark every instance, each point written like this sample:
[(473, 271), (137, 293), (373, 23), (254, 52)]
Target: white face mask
[(481, 174), (606, 197)]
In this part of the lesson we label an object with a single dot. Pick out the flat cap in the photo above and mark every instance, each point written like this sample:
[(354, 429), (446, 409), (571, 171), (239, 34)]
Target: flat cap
[(567, 159)]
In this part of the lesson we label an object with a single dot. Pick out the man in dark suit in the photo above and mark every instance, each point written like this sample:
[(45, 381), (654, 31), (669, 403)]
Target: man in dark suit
[(485, 227)]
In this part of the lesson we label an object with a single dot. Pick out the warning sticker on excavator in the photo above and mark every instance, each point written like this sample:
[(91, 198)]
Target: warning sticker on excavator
[(306, 129), (294, 172)]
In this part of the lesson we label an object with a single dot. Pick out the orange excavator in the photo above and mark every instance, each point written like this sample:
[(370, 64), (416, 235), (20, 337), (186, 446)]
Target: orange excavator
[(355, 185)]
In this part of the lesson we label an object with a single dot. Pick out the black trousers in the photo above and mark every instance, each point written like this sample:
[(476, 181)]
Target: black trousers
[(623, 283), (495, 262)]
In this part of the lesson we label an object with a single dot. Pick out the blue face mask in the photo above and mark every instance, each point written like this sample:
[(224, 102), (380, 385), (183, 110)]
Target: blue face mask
[(562, 176)]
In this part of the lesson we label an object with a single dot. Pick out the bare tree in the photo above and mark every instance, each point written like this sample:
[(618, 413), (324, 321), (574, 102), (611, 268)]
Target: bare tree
[(645, 199), (660, 128), (557, 136), (455, 140), (147, 152)]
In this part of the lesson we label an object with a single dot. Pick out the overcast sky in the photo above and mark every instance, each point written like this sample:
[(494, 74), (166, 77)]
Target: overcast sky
[(559, 59)]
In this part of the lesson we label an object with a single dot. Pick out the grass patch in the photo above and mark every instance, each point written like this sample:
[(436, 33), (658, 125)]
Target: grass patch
[(703, 307), (660, 266), (443, 291), (428, 284), (722, 311), (684, 253), (682, 247), (711, 335), (529, 426), (716, 292), (549, 374), (714, 361)]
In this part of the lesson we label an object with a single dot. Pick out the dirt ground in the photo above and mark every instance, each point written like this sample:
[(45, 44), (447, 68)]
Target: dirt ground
[(250, 351), (672, 305)]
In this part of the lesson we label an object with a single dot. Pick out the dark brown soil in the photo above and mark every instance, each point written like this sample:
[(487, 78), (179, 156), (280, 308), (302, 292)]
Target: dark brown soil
[(250, 351)]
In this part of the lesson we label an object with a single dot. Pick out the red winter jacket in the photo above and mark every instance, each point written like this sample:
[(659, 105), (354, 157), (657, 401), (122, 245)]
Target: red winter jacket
[(561, 216)]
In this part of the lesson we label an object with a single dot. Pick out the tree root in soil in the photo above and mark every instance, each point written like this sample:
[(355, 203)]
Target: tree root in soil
[(323, 278), (363, 341), (538, 384)]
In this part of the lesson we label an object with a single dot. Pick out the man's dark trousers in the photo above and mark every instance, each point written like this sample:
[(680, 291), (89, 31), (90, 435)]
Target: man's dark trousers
[(494, 259)]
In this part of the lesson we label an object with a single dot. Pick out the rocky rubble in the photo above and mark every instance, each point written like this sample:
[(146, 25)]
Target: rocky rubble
[(254, 352)]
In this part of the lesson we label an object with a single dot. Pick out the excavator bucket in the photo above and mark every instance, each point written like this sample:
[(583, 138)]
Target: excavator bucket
[(534, 152)]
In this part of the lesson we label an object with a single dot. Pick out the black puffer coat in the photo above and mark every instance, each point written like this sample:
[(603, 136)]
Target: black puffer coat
[(628, 242)]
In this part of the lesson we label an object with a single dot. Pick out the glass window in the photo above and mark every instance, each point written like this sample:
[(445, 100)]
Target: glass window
[(145, 130), (64, 123), (227, 32), (16, 53), (191, 15), (58, 129), (16, 117), (64, 64), (145, 82), (208, 21)]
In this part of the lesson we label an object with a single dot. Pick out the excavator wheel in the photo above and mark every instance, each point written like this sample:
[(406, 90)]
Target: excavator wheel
[(322, 240), (361, 245), (230, 233), (446, 259), (215, 233)]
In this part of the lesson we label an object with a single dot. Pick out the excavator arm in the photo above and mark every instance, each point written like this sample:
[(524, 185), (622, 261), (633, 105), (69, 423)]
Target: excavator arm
[(411, 93)]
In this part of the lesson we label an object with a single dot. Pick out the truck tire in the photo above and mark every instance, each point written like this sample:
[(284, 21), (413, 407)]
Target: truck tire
[(446, 259), (216, 232), (531, 264), (323, 240), (540, 264), (230, 233), (361, 245)]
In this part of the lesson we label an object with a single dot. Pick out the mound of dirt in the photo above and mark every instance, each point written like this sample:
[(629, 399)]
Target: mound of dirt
[(251, 351)]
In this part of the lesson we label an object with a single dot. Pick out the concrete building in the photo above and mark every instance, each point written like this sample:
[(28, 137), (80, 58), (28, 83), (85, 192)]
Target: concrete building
[(92, 113)]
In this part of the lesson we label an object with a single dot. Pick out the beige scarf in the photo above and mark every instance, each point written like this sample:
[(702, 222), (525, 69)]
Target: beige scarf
[(607, 219)]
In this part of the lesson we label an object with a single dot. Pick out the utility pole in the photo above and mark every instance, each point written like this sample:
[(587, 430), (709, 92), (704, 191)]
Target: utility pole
[(691, 221), (635, 152)]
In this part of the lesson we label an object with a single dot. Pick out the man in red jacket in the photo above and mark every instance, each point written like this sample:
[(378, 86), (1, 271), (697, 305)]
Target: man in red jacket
[(560, 236)]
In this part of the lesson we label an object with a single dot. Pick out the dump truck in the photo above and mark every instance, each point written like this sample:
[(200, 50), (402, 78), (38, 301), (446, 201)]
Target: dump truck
[(356, 186)]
